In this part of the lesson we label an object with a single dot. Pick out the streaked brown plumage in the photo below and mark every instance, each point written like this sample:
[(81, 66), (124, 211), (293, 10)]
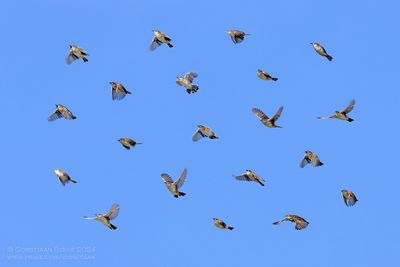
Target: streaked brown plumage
[(310, 158), (250, 176), (263, 75), (300, 223), (236, 36), (349, 198), (106, 218), (203, 131), (128, 143), (221, 224), (342, 115), (269, 122), (118, 91), (61, 112)]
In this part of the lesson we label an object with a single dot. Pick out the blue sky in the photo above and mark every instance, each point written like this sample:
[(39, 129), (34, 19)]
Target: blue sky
[(156, 229)]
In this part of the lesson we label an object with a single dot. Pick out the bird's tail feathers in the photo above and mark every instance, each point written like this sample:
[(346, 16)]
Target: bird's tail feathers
[(230, 228), (72, 181), (85, 59), (170, 45), (329, 57)]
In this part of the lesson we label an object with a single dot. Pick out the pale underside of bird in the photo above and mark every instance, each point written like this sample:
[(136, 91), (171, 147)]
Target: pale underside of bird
[(203, 131), (236, 35), (172, 186), (263, 75), (221, 224), (349, 198), (128, 142), (299, 222), (159, 39), (63, 177), (61, 112), (269, 122), (310, 158), (321, 50), (250, 176), (106, 218), (76, 53), (187, 82), (342, 115), (118, 91)]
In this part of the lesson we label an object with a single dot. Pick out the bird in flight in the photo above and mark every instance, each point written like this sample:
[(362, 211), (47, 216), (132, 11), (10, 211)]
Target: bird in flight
[(75, 53), (187, 82), (263, 75), (221, 224), (63, 177), (159, 39), (342, 115), (321, 50), (250, 176), (300, 223), (312, 158), (106, 218), (128, 143), (236, 36), (269, 122), (61, 112), (172, 186), (349, 198), (203, 131), (118, 91)]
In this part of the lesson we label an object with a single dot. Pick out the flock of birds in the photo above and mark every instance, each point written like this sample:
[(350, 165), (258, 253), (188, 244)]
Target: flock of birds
[(118, 92)]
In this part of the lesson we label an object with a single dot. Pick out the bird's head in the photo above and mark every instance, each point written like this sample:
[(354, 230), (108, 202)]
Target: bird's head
[(57, 171), (215, 219)]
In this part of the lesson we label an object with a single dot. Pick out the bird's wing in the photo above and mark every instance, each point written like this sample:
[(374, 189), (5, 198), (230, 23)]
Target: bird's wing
[(114, 211), (279, 222), (300, 223), (70, 58), (277, 114), (352, 199), (315, 160), (325, 117), (350, 107), (190, 76), (66, 113), (261, 115), (181, 179), (242, 177), (166, 178), (238, 39), (197, 136), (55, 115), (304, 161), (89, 218), (155, 43)]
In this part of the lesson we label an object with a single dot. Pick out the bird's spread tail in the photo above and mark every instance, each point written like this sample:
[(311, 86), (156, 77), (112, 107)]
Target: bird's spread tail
[(181, 194), (329, 57), (73, 117), (274, 79), (113, 227), (85, 59), (230, 228), (350, 120), (170, 45), (72, 181)]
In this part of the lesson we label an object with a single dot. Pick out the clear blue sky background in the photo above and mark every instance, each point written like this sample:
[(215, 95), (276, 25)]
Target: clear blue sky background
[(156, 229)]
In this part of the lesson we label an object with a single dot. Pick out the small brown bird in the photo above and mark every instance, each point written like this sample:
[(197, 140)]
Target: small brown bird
[(187, 82), (118, 91), (342, 115), (263, 75), (203, 131), (349, 198), (75, 53), (250, 176), (312, 158), (269, 122), (128, 143), (172, 186), (106, 218), (61, 112), (221, 224), (159, 39), (63, 177), (321, 50), (300, 223), (236, 36)]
